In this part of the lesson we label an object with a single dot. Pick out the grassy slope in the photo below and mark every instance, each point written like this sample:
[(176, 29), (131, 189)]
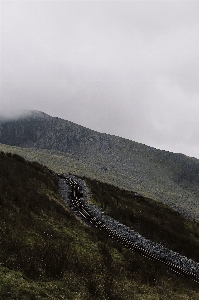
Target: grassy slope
[(155, 221), (161, 181), (46, 253)]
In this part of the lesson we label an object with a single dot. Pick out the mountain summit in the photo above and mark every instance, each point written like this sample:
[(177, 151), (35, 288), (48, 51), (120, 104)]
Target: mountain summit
[(161, 175)]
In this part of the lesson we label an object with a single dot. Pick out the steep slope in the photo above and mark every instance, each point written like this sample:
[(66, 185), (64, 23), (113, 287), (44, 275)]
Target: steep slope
[(163, 176), (46, 253)]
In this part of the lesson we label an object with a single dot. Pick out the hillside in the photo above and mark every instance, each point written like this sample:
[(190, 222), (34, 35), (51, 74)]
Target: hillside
[(47, 253), (62, 145)]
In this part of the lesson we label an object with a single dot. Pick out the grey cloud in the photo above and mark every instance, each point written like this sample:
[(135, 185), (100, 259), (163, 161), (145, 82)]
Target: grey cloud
[(128, 68)]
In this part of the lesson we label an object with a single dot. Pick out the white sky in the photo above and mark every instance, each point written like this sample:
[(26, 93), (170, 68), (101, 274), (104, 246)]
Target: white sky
[(128, 68)]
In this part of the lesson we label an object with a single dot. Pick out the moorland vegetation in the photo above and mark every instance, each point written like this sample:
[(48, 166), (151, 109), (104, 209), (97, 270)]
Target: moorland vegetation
[(48, 253)]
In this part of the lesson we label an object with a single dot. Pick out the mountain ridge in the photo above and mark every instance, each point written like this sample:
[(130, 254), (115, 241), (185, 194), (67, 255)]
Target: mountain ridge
[(162, 175), (41, 116)]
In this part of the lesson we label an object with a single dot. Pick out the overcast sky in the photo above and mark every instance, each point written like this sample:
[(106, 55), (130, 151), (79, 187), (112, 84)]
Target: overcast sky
[(128, 68)]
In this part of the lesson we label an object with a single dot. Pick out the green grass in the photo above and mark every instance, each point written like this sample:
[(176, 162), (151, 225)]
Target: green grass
[(156, 221), (47, 253), (161, 176)]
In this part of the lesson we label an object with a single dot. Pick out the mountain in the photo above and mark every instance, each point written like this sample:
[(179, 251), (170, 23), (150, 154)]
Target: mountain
[(48, 253), (60, 144)]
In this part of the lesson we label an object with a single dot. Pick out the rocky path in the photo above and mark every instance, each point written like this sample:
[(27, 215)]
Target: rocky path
[(74, 193)]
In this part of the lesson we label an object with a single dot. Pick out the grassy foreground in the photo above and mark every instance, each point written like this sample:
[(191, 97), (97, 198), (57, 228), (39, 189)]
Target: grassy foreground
[(47, 253)]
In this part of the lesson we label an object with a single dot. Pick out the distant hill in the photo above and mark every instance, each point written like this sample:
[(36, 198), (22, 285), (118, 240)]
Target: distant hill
[(47, 253), (60, 144)]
